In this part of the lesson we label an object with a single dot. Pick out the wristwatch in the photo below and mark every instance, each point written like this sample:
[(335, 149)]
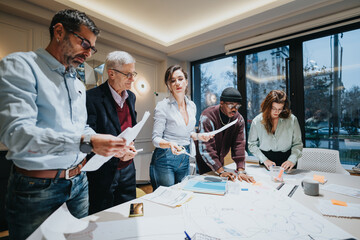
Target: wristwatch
[(219, 173), (242, 172), (85, 145)]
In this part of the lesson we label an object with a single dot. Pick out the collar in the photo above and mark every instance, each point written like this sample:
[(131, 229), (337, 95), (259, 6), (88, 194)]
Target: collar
[(53, 63), (119, 99), (172, 100)]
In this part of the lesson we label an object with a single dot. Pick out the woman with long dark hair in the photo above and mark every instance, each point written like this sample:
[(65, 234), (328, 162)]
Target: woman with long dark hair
[(174, 124), (275, 135)]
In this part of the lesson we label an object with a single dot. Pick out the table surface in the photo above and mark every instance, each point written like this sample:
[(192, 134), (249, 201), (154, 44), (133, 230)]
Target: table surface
[(350, 225)]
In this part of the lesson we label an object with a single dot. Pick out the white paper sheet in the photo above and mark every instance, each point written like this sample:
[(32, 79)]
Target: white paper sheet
[(221, 129), (326, 207), (349, 191), (261, 214), (129, 135), (139, 228), (168, 196), (57, 224)]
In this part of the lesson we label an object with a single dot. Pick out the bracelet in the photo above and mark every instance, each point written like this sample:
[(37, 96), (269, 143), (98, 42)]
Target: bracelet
[(219, 173), (242, 172)]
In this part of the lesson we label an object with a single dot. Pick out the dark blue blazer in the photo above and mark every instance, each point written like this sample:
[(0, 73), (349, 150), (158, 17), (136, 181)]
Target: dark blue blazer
[(101, 109), (103, 118)]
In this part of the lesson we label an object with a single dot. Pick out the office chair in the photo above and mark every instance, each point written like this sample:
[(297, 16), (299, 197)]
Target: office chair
[(323, 160)]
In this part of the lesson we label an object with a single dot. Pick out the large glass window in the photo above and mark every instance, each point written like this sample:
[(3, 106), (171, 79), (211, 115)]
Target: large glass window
[(265, 71), (214, 76), (321, 76), (332, 94)]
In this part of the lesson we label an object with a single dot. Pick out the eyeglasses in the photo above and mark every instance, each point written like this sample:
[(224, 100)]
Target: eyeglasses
[(85, 44), (231, 106), (277, 110), (128, 75)]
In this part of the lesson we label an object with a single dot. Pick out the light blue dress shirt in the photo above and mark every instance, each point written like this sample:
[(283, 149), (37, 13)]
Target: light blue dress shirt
[(287, 136), (169, 124), (42, 111)]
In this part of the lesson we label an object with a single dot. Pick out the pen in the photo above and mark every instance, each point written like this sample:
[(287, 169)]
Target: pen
[(280, 186), (187, 236), (293, 190)]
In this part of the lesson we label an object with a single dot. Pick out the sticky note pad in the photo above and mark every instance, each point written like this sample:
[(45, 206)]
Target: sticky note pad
[(257, 184), (319, 178), (244, 189), (337, 202)]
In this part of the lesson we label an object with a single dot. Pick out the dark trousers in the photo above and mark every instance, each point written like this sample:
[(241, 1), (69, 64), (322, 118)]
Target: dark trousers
[(5, 167), (110, 189), (277, 157)]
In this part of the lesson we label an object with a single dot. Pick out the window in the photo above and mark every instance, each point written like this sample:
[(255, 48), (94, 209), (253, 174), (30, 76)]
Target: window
[(212, 77), (332, 94), (265, 71), (320, 73)]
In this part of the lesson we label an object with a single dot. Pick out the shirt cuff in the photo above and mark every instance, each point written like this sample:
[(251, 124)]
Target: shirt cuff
[(240, 164), (262, 158), (292, 159), (156, 142)]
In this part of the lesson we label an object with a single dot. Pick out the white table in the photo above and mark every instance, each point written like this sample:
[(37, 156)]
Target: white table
[(151, 210), (351, 225)]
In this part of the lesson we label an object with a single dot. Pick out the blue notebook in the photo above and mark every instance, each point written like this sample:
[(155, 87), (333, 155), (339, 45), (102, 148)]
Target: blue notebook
[(218, 188)]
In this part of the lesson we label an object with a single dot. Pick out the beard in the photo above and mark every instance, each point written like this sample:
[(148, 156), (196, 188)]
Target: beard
[(71, 59)]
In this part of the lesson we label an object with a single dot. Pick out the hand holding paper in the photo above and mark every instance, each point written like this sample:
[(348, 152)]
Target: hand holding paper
[(129, 135), (221, 129)]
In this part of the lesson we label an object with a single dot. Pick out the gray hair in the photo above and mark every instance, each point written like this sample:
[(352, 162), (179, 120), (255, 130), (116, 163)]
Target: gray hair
[(118, 58)]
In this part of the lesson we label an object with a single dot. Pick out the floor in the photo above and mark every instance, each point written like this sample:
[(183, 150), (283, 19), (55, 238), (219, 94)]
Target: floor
[(147, 188), (4, 235)]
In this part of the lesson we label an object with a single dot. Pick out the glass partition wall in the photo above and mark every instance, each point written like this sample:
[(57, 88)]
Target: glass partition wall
[(320, 73)]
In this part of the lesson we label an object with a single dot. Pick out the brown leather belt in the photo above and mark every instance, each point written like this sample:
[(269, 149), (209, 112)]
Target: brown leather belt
[(66, 173)]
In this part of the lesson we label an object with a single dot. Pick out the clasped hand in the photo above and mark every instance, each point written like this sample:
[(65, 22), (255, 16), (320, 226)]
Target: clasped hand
[(176, 149), (109, 145)]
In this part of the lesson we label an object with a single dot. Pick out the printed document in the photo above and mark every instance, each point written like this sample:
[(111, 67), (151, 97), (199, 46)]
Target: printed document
[(129, 135), (221, 129), (168, 196)]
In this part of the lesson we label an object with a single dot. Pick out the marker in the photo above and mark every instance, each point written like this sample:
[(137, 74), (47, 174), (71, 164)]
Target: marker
[(187, 236), (280, 173), (293, 190), (280, 186)]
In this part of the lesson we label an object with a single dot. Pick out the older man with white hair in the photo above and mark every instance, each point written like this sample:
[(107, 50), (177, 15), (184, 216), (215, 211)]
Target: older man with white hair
[(111, 109)]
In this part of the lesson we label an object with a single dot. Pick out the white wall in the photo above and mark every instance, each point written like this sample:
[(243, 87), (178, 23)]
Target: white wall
[(20, 34)]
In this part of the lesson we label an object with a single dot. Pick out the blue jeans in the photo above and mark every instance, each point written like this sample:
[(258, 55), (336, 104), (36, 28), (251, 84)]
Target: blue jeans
[(167, 169), (30, 201)]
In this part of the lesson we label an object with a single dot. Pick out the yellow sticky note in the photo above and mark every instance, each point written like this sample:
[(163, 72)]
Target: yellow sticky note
[(337, 202), (319, 178)]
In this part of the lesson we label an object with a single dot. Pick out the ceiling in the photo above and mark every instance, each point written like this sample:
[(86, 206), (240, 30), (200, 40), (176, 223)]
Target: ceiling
[(185, 30)]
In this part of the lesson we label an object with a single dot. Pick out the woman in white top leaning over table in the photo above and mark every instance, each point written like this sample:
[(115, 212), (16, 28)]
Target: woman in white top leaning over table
[(275, 135), (174, 124)]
